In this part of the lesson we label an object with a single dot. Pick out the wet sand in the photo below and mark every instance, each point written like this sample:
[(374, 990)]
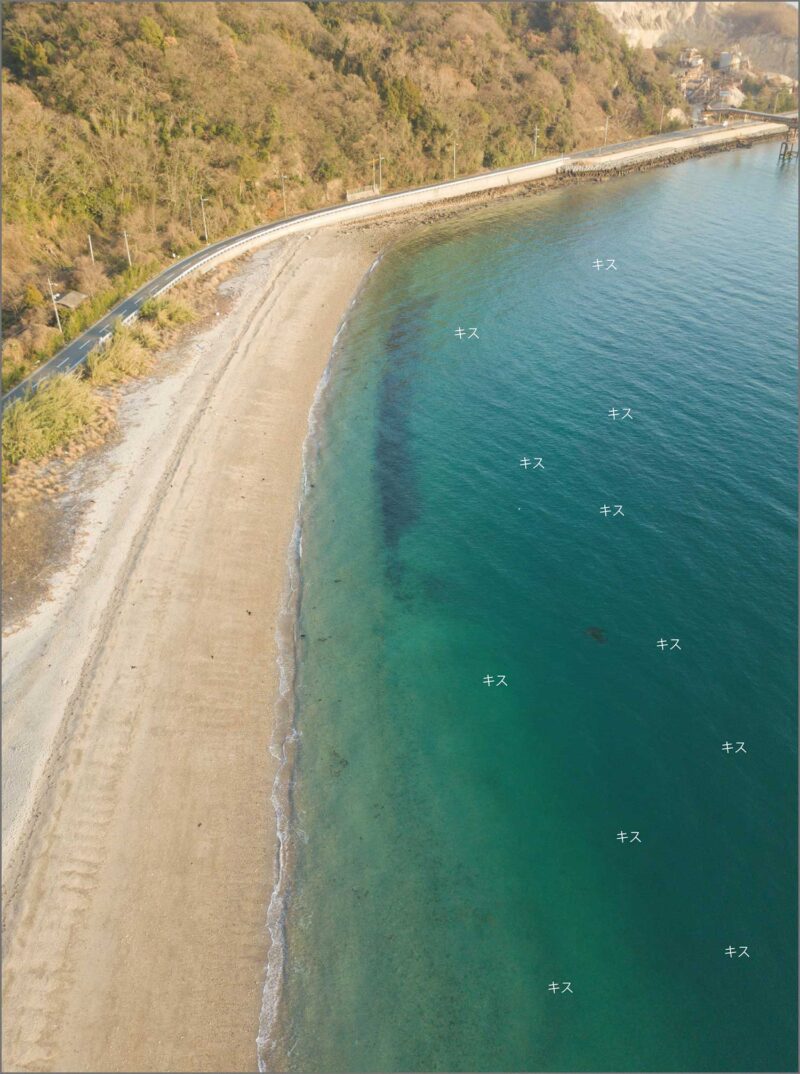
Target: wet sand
[(141, 867), (139, 839)]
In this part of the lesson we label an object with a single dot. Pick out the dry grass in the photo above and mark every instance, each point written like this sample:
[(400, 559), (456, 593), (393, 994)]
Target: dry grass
[(146, 334), (123, 357), (70, 413), (35, 427), (166, 312)]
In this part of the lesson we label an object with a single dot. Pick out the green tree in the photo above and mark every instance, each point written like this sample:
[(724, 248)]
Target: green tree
[(151, 32), (323, 172), (33, 297)]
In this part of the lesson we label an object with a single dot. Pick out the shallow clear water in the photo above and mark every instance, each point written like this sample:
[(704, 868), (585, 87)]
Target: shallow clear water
[(455, 843)]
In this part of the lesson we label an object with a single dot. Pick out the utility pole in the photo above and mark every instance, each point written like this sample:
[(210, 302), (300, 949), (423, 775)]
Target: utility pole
[(203, 210), (283, 192), (661, 121), (535, 140), (127, 249), (454, 158), (191, 219), (605, 136), (374, 162), (55, 307), (91, 250), (380, 171)]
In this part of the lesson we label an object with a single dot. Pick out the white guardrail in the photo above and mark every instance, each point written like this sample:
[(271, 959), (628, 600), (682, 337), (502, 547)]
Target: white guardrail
[(355, 210), (376, 206), (382, 203)]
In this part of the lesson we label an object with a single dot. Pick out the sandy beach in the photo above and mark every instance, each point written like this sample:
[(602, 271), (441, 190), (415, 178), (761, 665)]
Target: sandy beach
[(140, 842), (139, 839)]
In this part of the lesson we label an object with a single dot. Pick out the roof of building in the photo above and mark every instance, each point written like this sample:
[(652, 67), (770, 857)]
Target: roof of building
[(72, 299)]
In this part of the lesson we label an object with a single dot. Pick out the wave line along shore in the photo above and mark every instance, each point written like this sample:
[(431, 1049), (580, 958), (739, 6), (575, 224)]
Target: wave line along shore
[(140, 848)]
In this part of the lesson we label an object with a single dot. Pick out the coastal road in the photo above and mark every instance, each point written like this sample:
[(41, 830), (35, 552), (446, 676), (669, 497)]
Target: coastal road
[(75, 353)]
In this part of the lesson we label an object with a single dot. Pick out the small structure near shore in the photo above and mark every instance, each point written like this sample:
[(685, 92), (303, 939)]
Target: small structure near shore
[(71, 299), (359, 195)]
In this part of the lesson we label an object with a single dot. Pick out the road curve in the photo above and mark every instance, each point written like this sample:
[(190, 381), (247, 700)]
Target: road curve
[(76, 352)]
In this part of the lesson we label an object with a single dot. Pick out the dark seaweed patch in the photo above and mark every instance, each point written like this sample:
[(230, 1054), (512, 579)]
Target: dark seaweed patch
[(396, 473)]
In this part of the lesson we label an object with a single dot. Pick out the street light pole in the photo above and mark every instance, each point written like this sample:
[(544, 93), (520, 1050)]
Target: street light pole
[(283, 192), (127, 249), (661, 121), (605, 136), (535, 140), (454, 159), (55, 307), (203, 211), (381, 159)]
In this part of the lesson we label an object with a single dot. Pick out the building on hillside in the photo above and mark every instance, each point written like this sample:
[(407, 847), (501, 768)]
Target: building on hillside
[(691, 58), (730, 61), (730, 95), (737, 73), (71, 299), (698, 90)]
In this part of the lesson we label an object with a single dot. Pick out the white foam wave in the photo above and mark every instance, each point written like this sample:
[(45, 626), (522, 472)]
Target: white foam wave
[(286, 736)]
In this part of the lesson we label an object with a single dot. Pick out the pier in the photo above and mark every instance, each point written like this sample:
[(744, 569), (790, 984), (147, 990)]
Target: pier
[(788, 147)]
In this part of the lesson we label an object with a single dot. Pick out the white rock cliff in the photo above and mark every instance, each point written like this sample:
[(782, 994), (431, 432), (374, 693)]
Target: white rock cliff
[(702, 24)]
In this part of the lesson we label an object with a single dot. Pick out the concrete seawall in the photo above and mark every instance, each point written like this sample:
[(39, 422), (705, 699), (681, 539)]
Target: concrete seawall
[(665, 150), (655, 149), (526, 173)]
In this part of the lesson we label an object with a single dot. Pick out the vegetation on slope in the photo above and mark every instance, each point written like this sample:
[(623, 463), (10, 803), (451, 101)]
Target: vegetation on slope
[(67, 405), (762, 96), (120, 117), (34, 427), (763, 18)]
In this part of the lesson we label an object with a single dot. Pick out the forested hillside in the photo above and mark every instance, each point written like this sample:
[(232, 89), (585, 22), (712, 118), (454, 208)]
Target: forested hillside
[(120, 117)]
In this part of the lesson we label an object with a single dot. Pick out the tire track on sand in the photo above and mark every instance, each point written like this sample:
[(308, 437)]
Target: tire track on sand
[(61, 852)]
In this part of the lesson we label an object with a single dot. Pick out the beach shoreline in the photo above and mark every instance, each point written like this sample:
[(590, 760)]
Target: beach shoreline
[(141, 853), (285, 737), (139, 873)]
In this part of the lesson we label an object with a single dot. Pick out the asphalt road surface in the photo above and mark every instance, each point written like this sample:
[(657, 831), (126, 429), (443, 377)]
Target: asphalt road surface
[(76, 352)]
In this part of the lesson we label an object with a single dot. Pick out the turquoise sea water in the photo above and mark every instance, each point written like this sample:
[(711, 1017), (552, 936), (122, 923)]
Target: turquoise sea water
[(454, 844)]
